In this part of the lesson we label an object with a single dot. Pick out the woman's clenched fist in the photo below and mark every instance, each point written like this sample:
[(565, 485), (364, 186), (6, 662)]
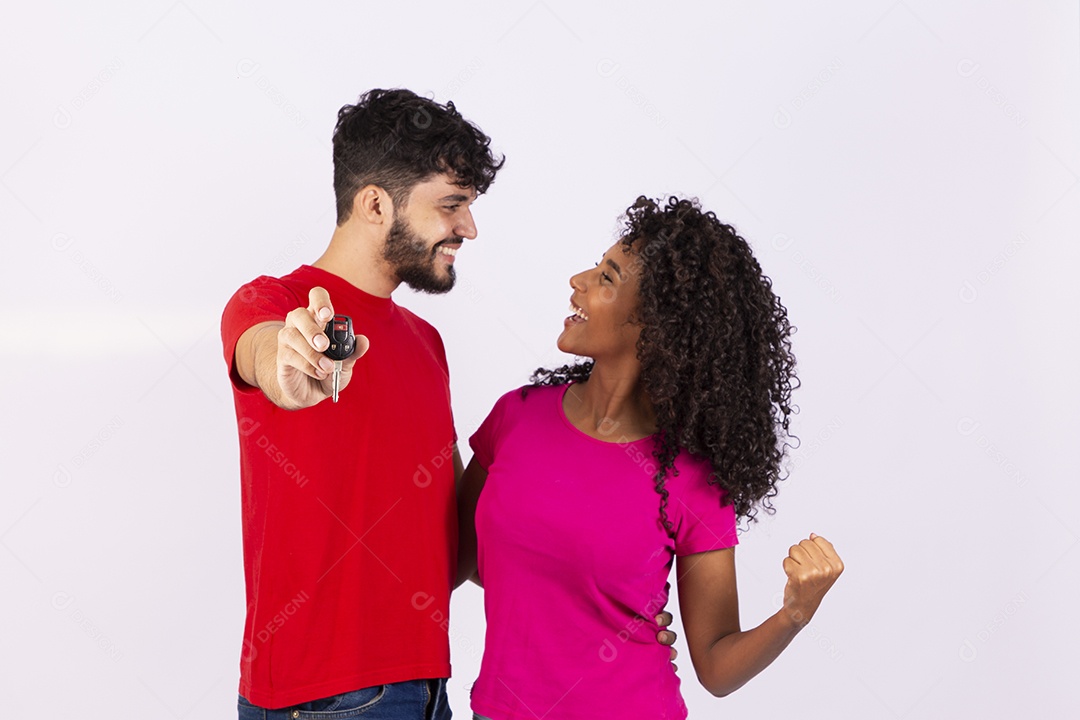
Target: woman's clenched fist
[(812, 567)]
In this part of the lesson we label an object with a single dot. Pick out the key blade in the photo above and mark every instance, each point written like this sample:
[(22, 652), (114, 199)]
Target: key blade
[(337, 379)]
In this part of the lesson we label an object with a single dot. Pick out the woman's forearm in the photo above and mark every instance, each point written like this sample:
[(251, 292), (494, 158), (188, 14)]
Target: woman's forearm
[(736, 658)]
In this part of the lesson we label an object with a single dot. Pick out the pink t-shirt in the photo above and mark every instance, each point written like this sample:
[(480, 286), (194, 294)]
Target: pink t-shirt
[(575, 564)]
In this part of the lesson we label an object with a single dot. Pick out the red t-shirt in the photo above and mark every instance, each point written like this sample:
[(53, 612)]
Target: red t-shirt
[(349, 515)]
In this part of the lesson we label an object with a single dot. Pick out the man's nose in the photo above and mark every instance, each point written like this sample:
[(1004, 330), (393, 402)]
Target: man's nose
[(466, 226)]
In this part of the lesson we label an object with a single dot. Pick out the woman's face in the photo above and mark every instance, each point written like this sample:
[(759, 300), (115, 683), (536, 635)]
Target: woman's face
[(603, 303)]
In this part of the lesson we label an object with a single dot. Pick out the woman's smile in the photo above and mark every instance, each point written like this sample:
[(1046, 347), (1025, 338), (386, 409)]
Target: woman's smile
[(577, 315)]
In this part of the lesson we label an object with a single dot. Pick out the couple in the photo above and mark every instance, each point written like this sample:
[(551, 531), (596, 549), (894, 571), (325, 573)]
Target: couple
[(584, 487)]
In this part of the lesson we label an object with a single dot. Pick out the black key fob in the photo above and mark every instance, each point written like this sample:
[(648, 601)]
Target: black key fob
[(342, 341)]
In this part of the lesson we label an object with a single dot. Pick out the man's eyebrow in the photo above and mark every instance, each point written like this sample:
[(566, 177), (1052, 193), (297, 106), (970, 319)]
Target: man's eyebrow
[(455, 198), (618, 270)]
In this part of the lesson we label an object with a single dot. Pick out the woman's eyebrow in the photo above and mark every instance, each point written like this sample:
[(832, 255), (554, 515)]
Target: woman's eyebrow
[(618, 270)]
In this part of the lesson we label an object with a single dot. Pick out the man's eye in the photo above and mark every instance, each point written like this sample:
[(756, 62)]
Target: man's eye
[(452, 208)]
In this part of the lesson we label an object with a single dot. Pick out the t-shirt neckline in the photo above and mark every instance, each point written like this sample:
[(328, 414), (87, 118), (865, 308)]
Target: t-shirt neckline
[(373, 301), (560, 410)]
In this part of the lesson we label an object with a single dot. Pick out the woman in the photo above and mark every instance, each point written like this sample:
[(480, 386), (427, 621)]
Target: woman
[(588, 484)]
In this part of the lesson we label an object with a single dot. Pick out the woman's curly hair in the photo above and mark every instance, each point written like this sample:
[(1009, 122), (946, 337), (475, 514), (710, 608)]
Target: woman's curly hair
[(715, 351)]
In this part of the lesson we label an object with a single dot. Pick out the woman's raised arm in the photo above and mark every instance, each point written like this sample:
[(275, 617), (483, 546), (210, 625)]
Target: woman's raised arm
[(725, 657)]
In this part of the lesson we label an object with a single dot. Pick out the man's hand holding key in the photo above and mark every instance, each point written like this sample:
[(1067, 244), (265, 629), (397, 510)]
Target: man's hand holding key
[(307, 376)]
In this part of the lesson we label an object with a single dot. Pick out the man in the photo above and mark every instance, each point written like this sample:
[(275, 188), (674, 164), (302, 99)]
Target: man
[(349, 516), (349, 519)]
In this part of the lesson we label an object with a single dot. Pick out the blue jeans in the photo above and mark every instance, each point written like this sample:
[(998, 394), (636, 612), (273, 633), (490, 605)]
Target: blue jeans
[(409, 700)]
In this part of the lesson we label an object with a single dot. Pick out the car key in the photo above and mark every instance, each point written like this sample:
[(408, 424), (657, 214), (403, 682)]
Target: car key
[(342, 345)]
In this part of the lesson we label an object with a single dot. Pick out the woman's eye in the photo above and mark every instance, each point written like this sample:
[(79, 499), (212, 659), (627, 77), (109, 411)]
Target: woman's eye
[(605, 276)]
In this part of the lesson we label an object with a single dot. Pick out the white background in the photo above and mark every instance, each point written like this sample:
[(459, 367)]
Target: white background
[(906, 171)]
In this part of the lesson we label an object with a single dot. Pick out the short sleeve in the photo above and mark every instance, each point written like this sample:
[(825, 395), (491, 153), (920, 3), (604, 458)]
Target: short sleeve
[(438, 351), (485, 441), (702, 521), (261, 300)]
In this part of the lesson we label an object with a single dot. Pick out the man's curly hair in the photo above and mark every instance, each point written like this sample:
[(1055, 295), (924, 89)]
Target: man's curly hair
[(395, 139), (715, 351)]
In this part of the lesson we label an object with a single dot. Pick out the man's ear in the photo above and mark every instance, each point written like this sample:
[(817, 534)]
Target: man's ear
[(373, 205)]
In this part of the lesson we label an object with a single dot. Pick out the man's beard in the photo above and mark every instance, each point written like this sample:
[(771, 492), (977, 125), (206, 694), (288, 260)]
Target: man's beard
[(414, 262)]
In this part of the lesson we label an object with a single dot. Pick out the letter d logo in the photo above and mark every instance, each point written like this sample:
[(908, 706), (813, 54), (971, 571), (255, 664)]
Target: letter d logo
[(422, 477), (247, 426)]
